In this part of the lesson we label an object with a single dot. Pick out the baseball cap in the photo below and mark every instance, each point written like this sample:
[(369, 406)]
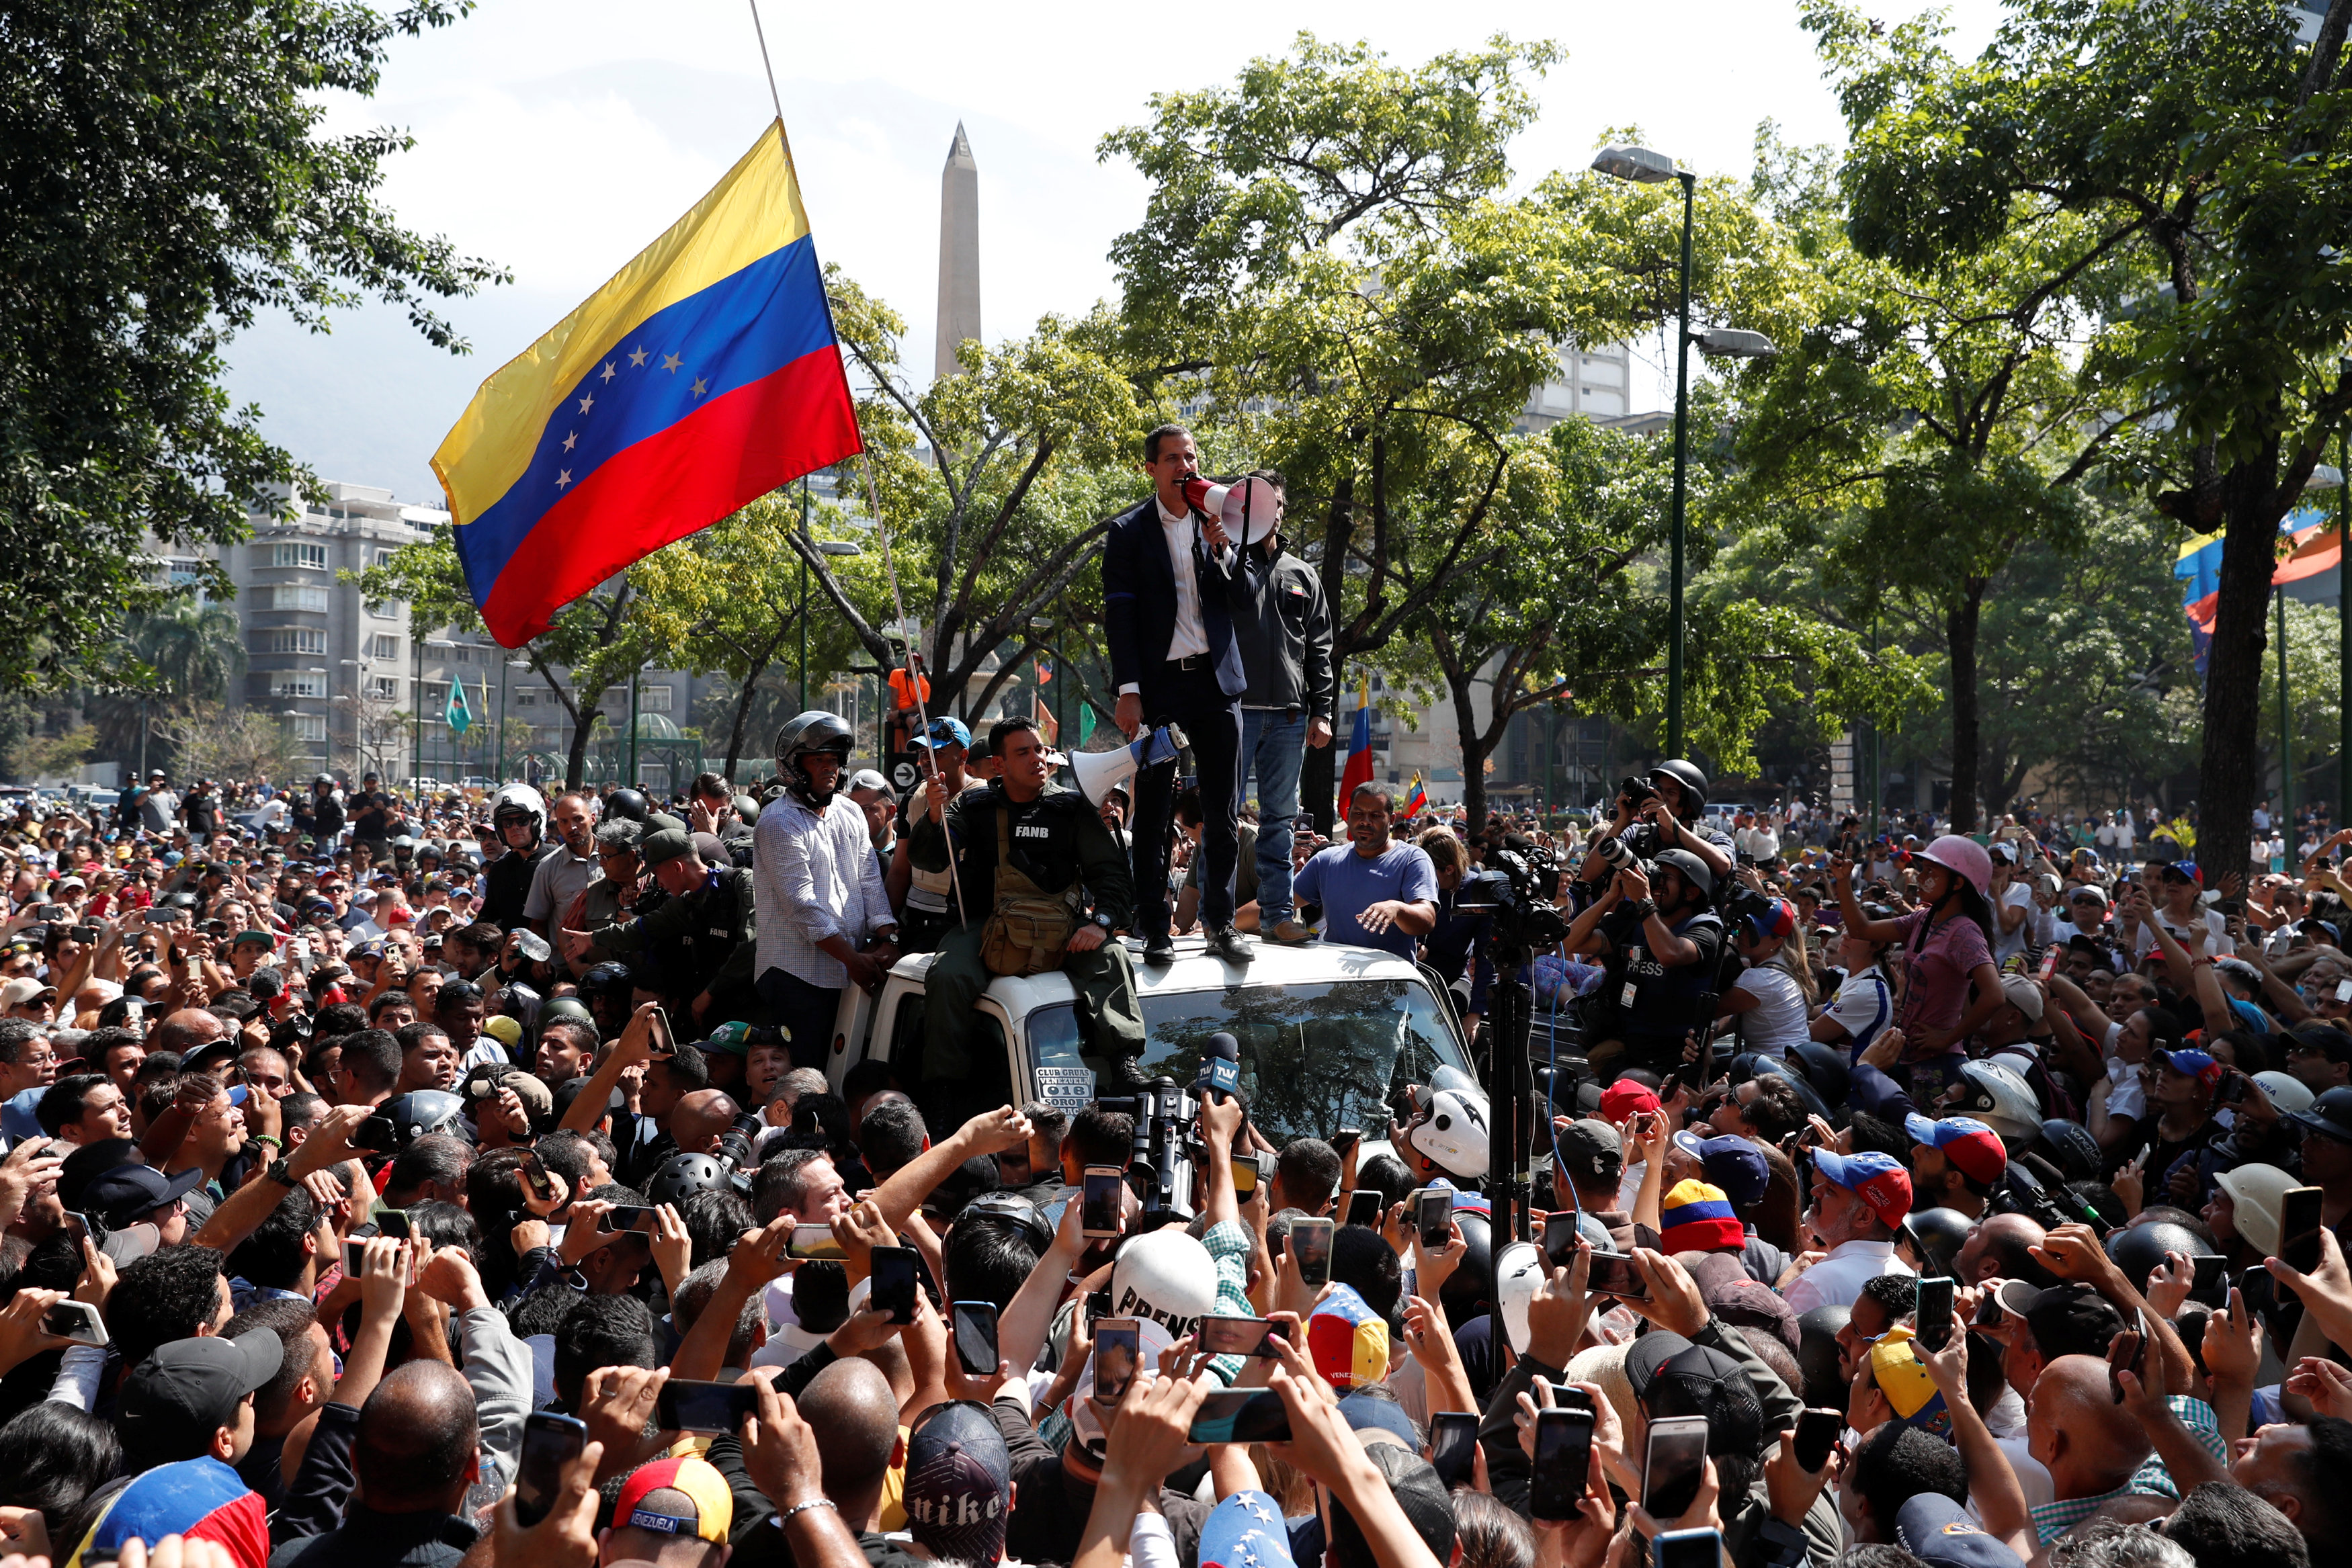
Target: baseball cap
[(1903, 1378), (2067, 1319), (2024, 995), (1348, 1341), (2186, 871), (869, 779), (1879, 1180), (1624, 1098), (1732, 1162), (484, 1080), (656, 849), (1413, 1480), (946, 731), (1698, 1381), (1696, 1218), (127, 1193), (2088, 890), (959, 1479), (731, 1038), (174, 1400), (1591, 1148), (2191, 1063), (1968, 1143), (1245, 1529), (506, 1031), (17, 993), (1939, 1532), (685, 1496)]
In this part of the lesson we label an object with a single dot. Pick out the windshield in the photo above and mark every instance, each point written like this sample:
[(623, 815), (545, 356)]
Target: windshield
[(1314, 1058)]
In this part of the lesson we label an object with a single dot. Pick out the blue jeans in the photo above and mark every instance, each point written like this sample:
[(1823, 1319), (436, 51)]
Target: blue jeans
[(1273, 746)]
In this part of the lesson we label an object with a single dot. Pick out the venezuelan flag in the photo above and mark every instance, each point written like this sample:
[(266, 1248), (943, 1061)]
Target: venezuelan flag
[(1358, 769), (2309, 550), (703, 375), (1416, 799)]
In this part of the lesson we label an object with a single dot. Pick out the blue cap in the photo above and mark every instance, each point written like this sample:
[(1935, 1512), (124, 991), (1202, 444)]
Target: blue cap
[(1246, 1530), (945, 731), (1939, 1532), (1733, 1163)]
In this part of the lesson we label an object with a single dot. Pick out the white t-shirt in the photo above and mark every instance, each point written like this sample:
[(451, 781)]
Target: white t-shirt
[(2217, 932), (1777, 1023), (1864, 1006), (2010, 944)]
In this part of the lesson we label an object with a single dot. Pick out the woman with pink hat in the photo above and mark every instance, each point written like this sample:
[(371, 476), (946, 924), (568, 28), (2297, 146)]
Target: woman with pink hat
[(1950, 986)]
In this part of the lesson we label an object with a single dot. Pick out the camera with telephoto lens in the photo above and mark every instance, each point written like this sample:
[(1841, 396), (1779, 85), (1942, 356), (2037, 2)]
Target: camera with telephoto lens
[(1742, 904), (1616, 853), (734, 1150), (1513, 891)]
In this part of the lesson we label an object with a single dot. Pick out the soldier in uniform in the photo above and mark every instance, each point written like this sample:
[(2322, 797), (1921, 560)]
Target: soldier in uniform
[(698, 944), (1027, 851)]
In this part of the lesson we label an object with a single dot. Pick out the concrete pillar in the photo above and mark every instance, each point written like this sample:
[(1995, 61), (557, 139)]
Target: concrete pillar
[(959, 257)]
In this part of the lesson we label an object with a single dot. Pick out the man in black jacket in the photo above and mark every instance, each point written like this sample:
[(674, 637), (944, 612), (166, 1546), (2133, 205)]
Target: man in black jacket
[(418, 1451), (1167, 571), (1283, 626)]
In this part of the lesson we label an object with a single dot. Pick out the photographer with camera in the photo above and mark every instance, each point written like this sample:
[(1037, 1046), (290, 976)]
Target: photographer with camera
[(1667, 811), (1656, 932)]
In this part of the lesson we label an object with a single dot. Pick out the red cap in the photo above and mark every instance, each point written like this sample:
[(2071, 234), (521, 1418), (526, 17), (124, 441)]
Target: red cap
[(1623, 1099)]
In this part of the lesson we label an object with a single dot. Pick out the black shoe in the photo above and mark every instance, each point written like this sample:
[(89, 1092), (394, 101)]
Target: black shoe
[(1128, 1073), (1159, 948), (1230, 945)]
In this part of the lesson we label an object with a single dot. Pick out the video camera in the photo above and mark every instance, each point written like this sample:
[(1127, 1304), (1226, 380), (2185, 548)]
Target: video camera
[(1167, 1144), (1513, 891)]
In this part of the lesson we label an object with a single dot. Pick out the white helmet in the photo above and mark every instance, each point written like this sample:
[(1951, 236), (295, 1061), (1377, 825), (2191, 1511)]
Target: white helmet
[(1165, 1276), (1519, 1274), (1998, 1098), (2287, 1092), (1451, 1133), (521, 798)]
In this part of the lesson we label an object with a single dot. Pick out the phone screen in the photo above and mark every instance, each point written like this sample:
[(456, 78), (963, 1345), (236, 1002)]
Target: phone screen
[(1436, 1217), (1563, 1459), (393, 1222), (1241, 1416), (1687, 1549), (1237, 1336), (686, 1406), (75, 1321), (975, 1337), (644, 1221), (1613, 1274), (2299, 1228), (660, 1041), (816, 1242), (376, 1135), (1559, 1238), (1099, 1195), (1364, 1206), (1118, 1346), (1675, 1464), (1935, 1313), (894, 1283), (537, 1180), (1310, 1243), (355, 1255), (549, 1442), (1817, 1434), (1454, 1447), (1245, 1168)]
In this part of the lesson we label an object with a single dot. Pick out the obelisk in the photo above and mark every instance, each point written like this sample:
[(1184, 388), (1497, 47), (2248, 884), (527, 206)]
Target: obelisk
[(959, 255)]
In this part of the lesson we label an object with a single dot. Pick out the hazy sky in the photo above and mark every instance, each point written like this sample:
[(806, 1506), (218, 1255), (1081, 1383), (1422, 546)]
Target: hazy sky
[(558, 137)]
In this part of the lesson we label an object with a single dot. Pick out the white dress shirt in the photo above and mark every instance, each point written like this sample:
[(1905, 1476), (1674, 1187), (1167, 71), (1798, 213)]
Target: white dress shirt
[(816, 878), (1190, 636), (1837, 1280)]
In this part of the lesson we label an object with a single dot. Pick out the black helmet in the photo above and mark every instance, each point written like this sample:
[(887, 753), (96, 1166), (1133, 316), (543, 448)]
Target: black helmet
[(629, 804), (606, 979), (1462, 1297), (2070, 1146), (1694, 870), (804, 734), (683, 1175), (1817, 1354), (1013, 1210), (1693, 783), (1807, 1095), (2139, 1251), (422, 1111), (1945, 1232), (1824, 1067)]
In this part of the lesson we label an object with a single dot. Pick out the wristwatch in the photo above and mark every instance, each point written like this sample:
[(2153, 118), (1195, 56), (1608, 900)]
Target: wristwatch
[(276, 1170), (1103, 921)]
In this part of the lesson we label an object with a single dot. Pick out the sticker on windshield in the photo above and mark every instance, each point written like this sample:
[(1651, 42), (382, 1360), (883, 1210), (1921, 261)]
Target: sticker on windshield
[(1070, 1089)]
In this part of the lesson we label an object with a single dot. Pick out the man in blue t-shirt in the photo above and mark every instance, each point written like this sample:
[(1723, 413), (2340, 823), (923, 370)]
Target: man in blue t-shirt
[(1375, 892)]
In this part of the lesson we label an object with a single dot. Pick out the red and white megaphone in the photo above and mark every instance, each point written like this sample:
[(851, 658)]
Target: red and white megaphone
[(1250, 507)]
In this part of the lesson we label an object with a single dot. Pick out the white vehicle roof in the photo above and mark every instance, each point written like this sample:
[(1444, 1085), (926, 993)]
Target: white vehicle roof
[(1312, 964)]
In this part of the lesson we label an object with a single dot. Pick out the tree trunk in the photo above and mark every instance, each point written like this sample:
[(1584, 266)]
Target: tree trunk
[(1474, 753), (584, 723), (1961, 627), (744, 704), (2226, 782)]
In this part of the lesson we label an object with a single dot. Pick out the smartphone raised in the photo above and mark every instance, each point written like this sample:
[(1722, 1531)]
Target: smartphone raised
[(1935, 1313), (1365, 1206), (2299, 1224), (684, 1406), (1241, 1416), (659, 1042), (77, 1322), (1569, 1396), (1454, 1447), (1435, 1217), (393, 1222), (974, 1328), (1817, 1434), (1245, 1174), (549, 1442), (1674, 1466), (376, 1135), (2210, 1284), (2127, 1352), (1613, 1274), (1562, 1461), (816, 1242), (1309, 1241), (1117, 1347), (1237, 1336), (1687, 1549), (1559, 1238), (1101, 1208), (893, 1272), (1346, 1138), (643, 1219)]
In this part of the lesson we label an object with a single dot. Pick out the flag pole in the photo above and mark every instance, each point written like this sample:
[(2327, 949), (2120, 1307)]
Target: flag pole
[(774, 96)]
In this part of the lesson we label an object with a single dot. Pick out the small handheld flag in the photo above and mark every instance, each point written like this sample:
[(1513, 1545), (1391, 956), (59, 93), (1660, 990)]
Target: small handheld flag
[(460, 717), (1416, 799), (1359, 748), (705, 374)]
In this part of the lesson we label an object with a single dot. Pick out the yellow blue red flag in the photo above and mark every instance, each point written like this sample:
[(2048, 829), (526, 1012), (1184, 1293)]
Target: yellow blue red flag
[(703, 375)]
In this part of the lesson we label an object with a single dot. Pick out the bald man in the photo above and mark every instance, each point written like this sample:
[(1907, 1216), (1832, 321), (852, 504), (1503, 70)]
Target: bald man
[(417, 1450), (190, 1028), (700, 1119), (2091, 1445), (1997, 1248), (854, 1415)]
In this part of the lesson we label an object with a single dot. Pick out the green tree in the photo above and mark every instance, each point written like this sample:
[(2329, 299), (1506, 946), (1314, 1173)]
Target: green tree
[(193, 650), (163, 178), (1331, 264), (2202, 145)]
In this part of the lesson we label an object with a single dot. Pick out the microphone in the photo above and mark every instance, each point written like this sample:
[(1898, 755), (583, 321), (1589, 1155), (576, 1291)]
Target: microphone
[(1221, 1066)]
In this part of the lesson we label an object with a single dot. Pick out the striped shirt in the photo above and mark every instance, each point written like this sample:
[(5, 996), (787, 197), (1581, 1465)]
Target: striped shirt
[(2052, 1520)]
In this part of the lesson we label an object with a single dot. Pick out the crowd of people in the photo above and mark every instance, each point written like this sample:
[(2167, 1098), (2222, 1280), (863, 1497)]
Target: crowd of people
[(486, 1179)]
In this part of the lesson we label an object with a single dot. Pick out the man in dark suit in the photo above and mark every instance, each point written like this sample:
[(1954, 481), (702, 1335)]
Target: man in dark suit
[(1165, 572)]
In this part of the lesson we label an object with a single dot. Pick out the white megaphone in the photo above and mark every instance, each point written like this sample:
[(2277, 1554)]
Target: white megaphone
[(1250, 507), (1100, 772)]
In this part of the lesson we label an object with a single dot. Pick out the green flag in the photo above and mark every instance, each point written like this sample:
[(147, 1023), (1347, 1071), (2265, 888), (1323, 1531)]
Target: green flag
[(460, 717), (1085, 722)]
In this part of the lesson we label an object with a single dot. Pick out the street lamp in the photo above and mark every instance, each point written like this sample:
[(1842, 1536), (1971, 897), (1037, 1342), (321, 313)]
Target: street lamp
[(1644, 166), (824, 547)]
